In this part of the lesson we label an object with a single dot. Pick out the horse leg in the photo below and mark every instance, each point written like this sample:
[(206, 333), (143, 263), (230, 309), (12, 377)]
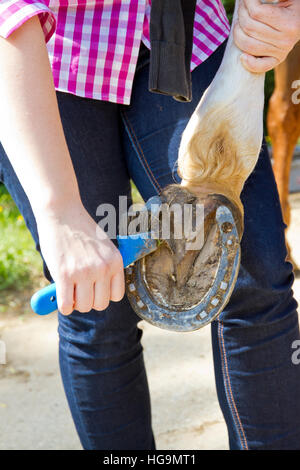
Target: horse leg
[(221, 143), (218, 151)]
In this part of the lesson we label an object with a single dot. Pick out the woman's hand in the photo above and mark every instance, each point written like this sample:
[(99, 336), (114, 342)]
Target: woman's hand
[(85, 264), (266, 33)]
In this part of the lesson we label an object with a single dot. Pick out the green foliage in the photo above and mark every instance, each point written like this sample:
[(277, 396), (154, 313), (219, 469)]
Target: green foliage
[(269, 88), (136, 197), (19, 262), (229, 7)]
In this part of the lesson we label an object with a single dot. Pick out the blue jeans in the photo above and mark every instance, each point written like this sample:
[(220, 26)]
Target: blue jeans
[(101, 356)]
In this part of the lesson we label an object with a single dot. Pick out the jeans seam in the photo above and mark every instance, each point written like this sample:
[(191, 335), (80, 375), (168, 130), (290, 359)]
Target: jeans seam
[(228, 388), (139, 152)]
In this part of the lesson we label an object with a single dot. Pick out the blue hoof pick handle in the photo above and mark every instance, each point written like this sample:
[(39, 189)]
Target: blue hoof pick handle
[(132, 248)]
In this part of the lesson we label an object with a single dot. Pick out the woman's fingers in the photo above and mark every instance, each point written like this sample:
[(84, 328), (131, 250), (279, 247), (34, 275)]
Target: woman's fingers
[(117, 287), (110, 287), (258, 64), (84, 296), (273, 15), (92, 289), (101, 294), (266, 32), (257, 29), (250, 45), (65, 296)]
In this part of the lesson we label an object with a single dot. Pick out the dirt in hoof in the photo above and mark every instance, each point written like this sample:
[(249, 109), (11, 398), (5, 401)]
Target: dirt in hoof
[(182, 286), (179, 277)]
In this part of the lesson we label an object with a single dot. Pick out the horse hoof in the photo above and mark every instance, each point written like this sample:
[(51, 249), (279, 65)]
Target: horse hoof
[(188, 280)]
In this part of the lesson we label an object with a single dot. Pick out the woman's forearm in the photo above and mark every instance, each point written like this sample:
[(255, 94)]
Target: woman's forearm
[(30, 126), (86, 266)]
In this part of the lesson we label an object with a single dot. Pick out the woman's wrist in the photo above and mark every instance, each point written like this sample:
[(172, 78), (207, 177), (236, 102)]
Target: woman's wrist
[(57, 205)]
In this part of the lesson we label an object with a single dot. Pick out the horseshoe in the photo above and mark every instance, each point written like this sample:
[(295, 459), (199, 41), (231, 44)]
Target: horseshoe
[(208, 275)]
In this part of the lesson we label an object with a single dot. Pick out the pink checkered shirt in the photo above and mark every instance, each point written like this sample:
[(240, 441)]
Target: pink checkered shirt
[(93, 45)]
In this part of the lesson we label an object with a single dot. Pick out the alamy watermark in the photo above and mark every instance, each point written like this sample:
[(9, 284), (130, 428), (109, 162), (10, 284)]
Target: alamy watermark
[(160, 221), (296, 353), (296, 94)]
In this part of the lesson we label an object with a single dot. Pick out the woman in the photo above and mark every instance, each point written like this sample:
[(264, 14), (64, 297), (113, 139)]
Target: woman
[(73, 133)]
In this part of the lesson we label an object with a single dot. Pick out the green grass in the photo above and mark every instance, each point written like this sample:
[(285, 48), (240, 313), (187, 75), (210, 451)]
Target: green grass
[(19, 262), (136, 197)]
